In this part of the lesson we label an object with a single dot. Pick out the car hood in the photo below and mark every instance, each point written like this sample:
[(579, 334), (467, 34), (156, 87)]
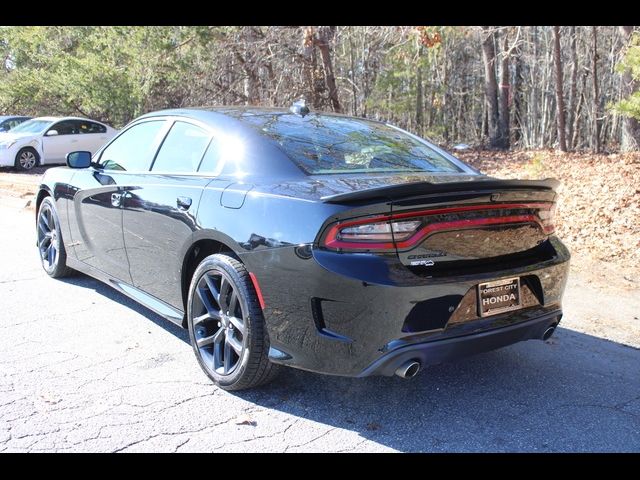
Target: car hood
[(9, 136)]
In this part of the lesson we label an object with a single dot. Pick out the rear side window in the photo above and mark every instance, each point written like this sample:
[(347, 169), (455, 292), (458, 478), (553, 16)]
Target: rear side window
[(135, 148), (329, 145), (92, 127), (211, 161), (182, 150)]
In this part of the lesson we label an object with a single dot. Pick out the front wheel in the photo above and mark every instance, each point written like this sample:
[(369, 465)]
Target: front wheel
[(26, 159), (53, 256), (226, 325)]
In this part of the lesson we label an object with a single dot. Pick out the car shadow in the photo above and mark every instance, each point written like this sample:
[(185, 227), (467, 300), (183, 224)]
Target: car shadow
[(34, 171), (574, 392), (85, 281)]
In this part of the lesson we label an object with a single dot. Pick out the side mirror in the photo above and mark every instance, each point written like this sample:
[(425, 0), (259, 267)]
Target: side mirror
[(79, 159), (51, 133)]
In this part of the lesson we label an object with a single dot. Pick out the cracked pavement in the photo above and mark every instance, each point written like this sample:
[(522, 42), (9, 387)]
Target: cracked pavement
[(83, 368)]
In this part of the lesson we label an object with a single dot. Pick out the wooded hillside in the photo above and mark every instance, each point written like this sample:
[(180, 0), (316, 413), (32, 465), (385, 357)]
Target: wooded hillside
[(503, 87)]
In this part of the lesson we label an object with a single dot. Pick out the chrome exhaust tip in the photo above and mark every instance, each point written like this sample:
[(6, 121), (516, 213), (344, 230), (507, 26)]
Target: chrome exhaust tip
[(408, 369), (548, 332)]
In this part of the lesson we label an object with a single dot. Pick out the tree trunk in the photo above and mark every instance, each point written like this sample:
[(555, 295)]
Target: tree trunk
[(557, 60), (576, 121), (573, 92), (309, 69), (354, 91), (491, 87), (595, 134), (630, 126), (517, 100), (325, 36), (503, 100), (419, 101)]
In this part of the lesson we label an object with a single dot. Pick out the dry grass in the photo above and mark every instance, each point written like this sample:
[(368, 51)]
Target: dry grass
[(599, 200)]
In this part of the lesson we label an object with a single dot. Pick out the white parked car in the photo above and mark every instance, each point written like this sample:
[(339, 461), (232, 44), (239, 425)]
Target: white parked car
[(47, 140)]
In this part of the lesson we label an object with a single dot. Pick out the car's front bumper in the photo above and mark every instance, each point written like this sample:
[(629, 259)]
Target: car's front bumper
[(358, 314), (6, 157)]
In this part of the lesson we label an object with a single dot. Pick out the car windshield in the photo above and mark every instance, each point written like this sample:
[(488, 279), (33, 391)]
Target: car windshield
[(32, 126), (322, 144)]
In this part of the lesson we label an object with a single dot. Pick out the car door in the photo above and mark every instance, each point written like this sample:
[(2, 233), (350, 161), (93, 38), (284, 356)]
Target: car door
[(61, 138), (93, 135), (96, 233), (159, 212)]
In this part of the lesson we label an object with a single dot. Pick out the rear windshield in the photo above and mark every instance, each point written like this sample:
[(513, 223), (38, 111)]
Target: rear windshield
[(329, 145)]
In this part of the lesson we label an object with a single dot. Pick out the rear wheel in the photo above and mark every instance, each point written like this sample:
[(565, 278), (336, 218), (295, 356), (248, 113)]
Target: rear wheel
[(53, 256), (26, 159), (226, 325)]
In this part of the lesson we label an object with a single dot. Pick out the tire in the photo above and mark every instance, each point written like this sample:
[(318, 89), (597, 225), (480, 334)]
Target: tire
[(226, 325), (26, 159), (53, 256)]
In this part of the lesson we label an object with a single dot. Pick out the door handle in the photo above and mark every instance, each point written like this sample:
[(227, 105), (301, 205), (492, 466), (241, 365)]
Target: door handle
[(183, 203), (116, 199)]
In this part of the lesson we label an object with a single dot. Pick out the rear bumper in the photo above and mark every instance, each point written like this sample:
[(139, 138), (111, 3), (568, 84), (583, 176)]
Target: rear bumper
[(431, 353), (352, 315)]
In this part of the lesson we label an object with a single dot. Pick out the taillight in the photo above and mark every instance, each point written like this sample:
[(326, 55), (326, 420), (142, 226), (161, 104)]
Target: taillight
[(404, 230), (547, 218), (378, 232), (375, 233)]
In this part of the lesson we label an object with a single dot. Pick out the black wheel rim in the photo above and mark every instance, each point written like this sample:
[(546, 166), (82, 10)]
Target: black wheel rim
[(27, 160), (219, 326), (48, 238)]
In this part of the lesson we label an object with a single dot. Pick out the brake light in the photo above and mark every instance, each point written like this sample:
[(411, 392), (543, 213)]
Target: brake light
[(547, 218), (379, 232), (405, 230)]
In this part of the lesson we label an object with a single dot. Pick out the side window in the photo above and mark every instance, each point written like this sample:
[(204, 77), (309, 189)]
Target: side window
[(92, 127), (67, 127), (135, 148), (182, 150), (211, 161)]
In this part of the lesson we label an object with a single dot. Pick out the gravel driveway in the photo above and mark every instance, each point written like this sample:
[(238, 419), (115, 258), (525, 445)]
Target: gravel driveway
[(83, 368)]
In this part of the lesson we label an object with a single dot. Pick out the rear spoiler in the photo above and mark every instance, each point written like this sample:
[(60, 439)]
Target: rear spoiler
[(404, 190)]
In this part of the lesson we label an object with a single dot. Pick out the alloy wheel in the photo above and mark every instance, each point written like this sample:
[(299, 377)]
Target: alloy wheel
[(48, 238), (27, 160), (219, 326)]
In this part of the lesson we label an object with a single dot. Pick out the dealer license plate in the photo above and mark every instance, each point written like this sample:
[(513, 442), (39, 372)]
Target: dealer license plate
[(499, 296)]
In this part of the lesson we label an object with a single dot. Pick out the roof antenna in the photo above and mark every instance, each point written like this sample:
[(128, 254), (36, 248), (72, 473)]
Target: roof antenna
[(300, 108)]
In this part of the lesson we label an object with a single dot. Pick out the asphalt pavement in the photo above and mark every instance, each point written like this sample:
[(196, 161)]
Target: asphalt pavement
[(83, 368)]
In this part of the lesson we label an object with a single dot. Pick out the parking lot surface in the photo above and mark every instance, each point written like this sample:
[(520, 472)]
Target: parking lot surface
[(83, 368)]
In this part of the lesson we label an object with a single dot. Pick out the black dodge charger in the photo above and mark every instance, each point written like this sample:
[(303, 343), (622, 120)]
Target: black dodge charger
[(324, 242)]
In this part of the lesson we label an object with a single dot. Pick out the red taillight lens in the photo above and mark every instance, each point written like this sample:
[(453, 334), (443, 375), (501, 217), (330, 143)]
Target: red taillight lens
[(547, 218), (404, 230), (379, 232), (370, 234)]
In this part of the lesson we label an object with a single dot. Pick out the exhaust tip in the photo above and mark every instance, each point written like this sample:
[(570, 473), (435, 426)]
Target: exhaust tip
[(408, 369), (548, 332)]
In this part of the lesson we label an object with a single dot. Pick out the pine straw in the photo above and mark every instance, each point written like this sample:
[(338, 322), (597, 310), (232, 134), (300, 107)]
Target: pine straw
[(599, 201)]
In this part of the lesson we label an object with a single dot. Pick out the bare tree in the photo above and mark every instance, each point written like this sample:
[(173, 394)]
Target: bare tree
[(325, 37), (630, 126), (597, 122), (503, 99), (491, 86), (562, 140), (573, 89)]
